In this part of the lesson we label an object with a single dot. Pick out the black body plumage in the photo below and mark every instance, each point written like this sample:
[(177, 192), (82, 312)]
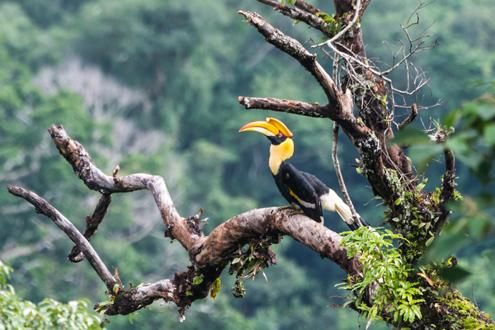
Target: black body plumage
[(301, 189)]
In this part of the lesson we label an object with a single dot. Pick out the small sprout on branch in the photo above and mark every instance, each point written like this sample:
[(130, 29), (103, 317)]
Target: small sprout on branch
[(116, 170), (215, 287)]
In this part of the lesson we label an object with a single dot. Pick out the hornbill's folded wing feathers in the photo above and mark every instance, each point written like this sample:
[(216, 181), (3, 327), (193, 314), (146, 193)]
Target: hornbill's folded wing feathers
[(300, 191)]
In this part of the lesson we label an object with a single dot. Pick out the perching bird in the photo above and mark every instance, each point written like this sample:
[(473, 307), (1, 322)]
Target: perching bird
[(299, 188)]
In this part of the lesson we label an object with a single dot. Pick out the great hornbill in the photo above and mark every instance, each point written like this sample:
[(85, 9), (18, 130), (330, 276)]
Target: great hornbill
[(299, 188)]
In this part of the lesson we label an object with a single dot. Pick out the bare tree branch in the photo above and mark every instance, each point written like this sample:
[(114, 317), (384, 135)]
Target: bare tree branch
[(92, 223), (306, 6), (411, 117), (283, 105), (95, 179), (43, 207)]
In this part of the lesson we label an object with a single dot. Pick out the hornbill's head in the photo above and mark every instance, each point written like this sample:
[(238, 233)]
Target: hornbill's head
[(280, 136)]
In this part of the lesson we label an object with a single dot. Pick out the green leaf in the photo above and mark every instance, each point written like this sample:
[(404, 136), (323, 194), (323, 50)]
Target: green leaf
[(197, 280), (489, 134)]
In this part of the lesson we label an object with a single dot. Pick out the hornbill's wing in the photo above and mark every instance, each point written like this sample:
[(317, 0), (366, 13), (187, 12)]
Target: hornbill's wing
[(301, 191), (317, 184)]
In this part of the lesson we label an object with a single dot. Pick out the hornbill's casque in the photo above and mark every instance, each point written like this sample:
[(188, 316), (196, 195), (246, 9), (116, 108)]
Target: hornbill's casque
[(299, 188)]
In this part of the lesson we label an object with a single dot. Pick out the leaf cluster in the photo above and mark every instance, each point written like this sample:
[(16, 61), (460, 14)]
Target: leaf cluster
[(16, 313), (385, 277), (248, 262)]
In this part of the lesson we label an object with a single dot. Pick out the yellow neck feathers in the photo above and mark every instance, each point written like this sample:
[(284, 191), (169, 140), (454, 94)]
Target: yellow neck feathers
[(279, 153)]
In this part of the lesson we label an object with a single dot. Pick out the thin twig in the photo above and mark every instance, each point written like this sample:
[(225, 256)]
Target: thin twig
[(338, 172), (411, 117)]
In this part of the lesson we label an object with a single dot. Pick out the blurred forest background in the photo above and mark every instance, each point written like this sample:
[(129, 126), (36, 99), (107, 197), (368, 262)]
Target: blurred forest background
[(152, 85)]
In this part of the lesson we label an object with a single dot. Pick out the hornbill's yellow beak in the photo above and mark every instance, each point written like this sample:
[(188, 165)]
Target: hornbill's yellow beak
[(270, 127)]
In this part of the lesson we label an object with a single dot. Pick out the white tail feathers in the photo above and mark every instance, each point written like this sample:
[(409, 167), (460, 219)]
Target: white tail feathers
[(332, 202)]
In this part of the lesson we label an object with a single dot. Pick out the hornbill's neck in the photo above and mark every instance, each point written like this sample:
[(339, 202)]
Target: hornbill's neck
[(279, 153)]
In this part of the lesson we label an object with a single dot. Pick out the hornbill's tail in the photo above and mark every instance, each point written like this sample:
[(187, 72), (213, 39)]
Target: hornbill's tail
[(332, 202)]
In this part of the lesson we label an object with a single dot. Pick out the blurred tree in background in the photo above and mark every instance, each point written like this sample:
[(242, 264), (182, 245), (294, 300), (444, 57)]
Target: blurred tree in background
[(152, 85)]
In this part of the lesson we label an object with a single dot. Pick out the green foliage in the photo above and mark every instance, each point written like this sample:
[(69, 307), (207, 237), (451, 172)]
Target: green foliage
[(16, 313), (386, 273), (249, 261), (474, 142)]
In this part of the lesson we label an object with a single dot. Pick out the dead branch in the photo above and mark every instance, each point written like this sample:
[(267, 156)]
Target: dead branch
[(92, 223), (282, 105), (43, 207), (95, 179)]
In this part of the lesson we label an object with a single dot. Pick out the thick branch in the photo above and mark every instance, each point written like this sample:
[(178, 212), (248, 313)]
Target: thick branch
[(92, 223), (95, 179), (302, 12), (216, 251), (235, 232), (134, 299), (43, 207), (282, 105)]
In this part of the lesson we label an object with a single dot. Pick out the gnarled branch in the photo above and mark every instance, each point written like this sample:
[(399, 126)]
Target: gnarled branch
[(95, 179), (209, 254)]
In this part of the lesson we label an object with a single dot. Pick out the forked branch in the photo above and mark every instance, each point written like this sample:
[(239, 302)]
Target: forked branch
[(208, 254), (45, 208), (92, 223)]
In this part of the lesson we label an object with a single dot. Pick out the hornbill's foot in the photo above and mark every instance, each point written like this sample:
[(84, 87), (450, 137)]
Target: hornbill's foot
[(291, 210)]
